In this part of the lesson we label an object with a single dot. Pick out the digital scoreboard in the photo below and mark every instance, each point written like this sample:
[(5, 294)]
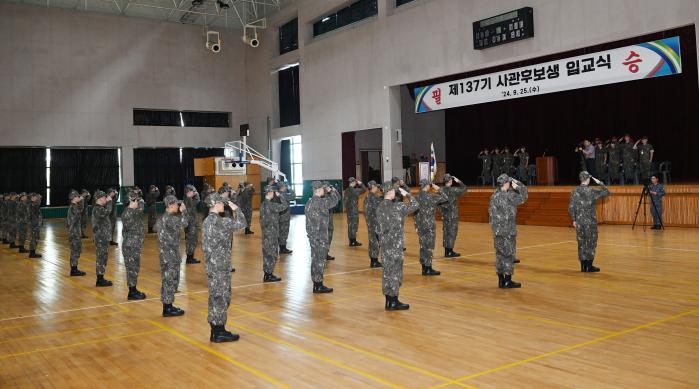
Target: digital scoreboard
[(505, 28)]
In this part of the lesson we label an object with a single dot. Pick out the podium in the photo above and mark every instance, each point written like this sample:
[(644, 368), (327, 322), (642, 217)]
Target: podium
[(206, 168), (546, 170)]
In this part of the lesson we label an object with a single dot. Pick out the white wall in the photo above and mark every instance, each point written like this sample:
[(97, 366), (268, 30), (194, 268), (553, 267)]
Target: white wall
[(71, 78), (348, 76)]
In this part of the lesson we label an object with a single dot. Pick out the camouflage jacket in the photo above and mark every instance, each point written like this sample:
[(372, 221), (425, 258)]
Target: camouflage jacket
[(191, 204), (487, 160), (317, 210), (352, 198), (288, 195), (73, 221), (217, 240), (450, 208), (21, 212), (113, 209), (523, 159), (503, 210), (390, 222), (644, 152), (371, 202), (34, 218), (101, 223), (269, 214), (132, 226), (613, 156), (168, 228), (424, 217), (245, 197), (581, 206), (508, 160), (628, 154), (152, 197), (498, 161)]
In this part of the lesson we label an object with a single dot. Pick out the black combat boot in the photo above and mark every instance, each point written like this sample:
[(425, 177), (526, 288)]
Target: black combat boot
[(392, 304), (509, 284), (590, 268), (354, 243), (33, 254), (429, 271), (220, 335), (22, 250), (12, 245), (501, 280), (583, 266), (269, 277), (191, 260), (452, 253), (248, 231), (170, 311), (232, 270), (284, 250), (318, 287), (329, 258), (113, 243), (375, 263), (150, 231), (135, 294), (101, 282), (74, 272), (83, 236), (517, 260)]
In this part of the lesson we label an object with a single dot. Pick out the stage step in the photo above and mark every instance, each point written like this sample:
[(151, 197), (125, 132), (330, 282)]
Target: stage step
[(541, 209)]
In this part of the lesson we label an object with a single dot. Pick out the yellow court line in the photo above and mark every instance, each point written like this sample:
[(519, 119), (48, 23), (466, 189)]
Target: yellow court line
[(575, 346), (56, 320), (68, 331), (486, 308), (353, 348), (222, 356), (98, 295), (87, 342), (319, 357)]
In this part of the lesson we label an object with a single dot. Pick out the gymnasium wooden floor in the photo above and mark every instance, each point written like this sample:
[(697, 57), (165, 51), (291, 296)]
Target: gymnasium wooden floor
[(635, 324)]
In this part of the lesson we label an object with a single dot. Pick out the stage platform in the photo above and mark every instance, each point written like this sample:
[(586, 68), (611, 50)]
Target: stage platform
[(548, 206)]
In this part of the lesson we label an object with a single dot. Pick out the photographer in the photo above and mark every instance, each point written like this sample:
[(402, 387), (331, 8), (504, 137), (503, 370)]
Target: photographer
[(657, 192)]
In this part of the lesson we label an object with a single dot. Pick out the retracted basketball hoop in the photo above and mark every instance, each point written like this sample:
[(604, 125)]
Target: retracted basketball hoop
[(238, 152)]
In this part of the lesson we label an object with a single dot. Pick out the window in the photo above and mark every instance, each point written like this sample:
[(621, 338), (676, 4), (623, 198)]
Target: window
[(289, 37), (48, 176), (170, 118), (289, 100), (401, 2), (296, 178), (353, 13)]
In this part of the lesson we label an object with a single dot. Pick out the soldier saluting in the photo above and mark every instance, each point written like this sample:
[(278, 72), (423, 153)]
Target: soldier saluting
[(73, 219), (425, 224), (102, 234), (132, 242), (454, 189), (390, 220), (269, 222), (217, 244), (352, 193), (317, 212), (168, 228), (371, 201), (581, 208), (503, 221), (191, 231)]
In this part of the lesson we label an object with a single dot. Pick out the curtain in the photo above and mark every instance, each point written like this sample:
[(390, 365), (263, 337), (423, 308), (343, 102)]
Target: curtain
[(23, 170), (289, 111), (159, 167), (285, 158), (82, 168)]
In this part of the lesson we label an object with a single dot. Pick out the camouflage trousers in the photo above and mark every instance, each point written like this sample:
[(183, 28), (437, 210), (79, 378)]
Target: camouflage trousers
[(101, 248), (114, 230), (427, 241), (21, 234), (373, 240), (644, 168), (505, 248), (523, 173), (587, 242), (83, 221), (450, 227), (219, 297), (170, 278), (352, 225), (33, 237), (75, 250), (191, 234), (151, 216), (319, 252), (613, 173), (392, 277), (12, 233), (284, 222), (132, 262), (247, 212), (628, 172), (331, 229), (270, 253)]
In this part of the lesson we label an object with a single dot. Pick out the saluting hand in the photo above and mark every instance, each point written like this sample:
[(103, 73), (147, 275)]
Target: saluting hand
[(182, 207), (232, 205)]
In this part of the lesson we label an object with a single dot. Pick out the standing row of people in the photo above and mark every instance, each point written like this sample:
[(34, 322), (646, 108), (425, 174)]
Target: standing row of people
[(20, 220), (618, 160), (497, 161)]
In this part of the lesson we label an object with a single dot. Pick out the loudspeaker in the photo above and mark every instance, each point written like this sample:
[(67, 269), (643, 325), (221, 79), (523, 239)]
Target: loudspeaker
[(245, 129)]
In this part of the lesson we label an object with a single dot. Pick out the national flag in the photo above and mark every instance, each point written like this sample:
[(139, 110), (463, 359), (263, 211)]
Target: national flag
[(433, 162)]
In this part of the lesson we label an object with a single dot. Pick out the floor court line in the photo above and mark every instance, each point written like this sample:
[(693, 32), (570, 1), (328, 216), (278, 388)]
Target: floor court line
[(68, 331)]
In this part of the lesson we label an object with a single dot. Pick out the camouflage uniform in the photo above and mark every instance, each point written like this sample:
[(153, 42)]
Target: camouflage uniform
[(113, 214), (3, 217), (498, 162), (450, 213), (317, 228), (151, 202), (601, 160), (284, 218), (352, 206), (523, 167), (581, 209), (371, 201), (12, 220), (508, 162), (168, 228), (191, 231), (73, 219), (628, 156), (390, 221), (22, 219), (331, 224), (84, 210), (656, 207), (269, 222), (503, 221), (613, 162), (644, 163), (35, 221), (487, 161), (101, 231), (425, 222), (216, 243), (132, 240), (245, 204)]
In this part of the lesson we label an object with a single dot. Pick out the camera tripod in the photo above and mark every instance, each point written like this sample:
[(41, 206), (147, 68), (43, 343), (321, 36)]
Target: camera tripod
[(643, 201)]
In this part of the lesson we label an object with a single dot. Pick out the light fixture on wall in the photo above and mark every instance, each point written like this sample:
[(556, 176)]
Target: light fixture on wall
[(250, 38), (213, 41)]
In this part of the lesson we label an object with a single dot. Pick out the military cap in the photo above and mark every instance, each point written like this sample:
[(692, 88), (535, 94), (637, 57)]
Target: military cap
[(394, 180), (133, 195), (169, 200), (99, 194), (22, 194), (73, 194), (584, 175), (372, 183), (224, 189), (386, 186), (214, 198), (189, 188), (447, 177), (283, 183), (85, 191), (503, 178), (110, 190), (424, 182), (271, 188), (317, 185), (352, 179)]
